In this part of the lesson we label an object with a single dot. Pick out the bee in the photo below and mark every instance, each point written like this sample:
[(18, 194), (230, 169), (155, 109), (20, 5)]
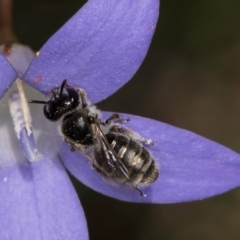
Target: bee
[(117, 153)]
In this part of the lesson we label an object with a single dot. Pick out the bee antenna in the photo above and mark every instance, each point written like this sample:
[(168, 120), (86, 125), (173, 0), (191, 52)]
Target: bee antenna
[(37, 101), (62, 86)]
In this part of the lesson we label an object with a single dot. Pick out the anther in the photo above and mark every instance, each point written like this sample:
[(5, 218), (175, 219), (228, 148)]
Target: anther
[(22, 122)]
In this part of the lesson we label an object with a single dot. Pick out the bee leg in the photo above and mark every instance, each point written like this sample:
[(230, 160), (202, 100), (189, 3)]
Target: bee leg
[(115, 118), (83, 97), (73, 149), (141, 193), (148, 142), (94, 167), (136, 136)]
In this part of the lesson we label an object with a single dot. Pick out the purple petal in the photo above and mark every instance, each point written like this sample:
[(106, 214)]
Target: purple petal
[(20, 57), (7, 75), (99, 49), (38, 202), (191, 167)]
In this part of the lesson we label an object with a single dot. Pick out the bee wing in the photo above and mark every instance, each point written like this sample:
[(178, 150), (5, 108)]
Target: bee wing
[(103, 144)]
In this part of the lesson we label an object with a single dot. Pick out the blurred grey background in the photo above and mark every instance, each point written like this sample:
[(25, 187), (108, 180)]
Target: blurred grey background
[(190, 79)]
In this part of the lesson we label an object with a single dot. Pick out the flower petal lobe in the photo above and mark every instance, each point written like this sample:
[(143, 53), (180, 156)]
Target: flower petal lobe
[(34, 206), (20, 57), (191, 167), (7, 75), (99, 49)]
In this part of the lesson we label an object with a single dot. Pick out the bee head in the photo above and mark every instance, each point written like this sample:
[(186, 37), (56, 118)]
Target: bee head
[(61, 100)]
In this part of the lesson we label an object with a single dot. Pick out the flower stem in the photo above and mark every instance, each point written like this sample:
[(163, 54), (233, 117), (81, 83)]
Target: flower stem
[(6, 31)]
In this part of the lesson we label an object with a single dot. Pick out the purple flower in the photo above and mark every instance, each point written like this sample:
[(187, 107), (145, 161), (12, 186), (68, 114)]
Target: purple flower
[(99, 49), (32, 205)]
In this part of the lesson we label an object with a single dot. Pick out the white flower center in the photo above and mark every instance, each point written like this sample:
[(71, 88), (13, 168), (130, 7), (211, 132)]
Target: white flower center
[(22, 122)]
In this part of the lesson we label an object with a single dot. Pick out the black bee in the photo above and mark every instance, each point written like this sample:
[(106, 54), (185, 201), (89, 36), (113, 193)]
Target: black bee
[(115, 152)]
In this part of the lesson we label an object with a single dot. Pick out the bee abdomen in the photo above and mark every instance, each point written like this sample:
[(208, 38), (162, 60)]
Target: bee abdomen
[(140, 164), (151, 174), (144, 168)]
